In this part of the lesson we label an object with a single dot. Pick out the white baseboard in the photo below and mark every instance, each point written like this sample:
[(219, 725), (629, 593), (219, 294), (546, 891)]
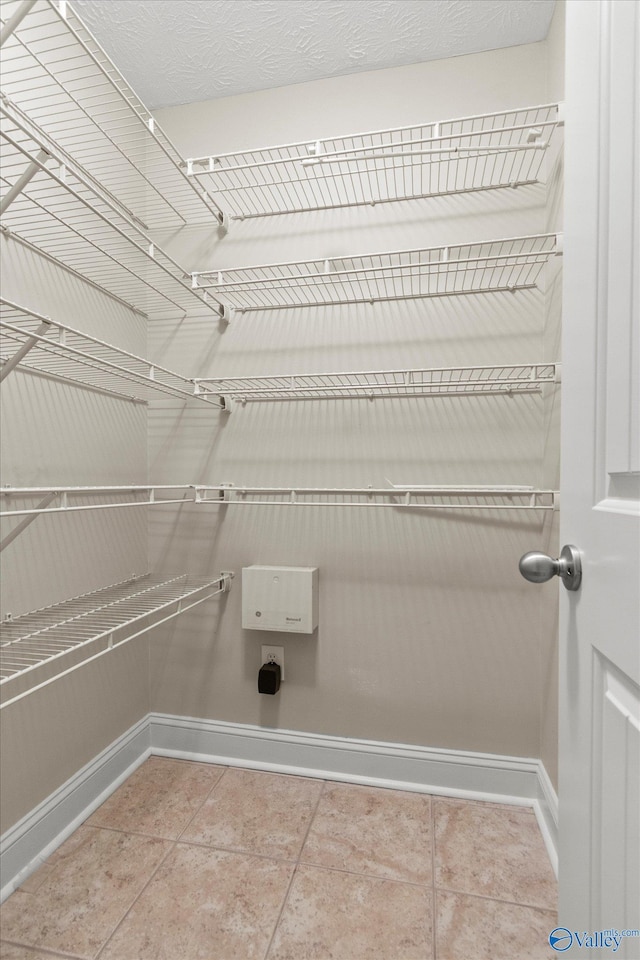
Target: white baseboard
[(474, 776), (450, 773), (546, 810), (34, 838)]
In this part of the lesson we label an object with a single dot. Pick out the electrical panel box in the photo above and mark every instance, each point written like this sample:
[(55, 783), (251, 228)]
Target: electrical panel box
[(280, 598)]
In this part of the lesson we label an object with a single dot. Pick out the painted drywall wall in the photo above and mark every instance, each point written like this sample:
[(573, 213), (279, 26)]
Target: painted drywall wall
[(427, 632), (55, 433)]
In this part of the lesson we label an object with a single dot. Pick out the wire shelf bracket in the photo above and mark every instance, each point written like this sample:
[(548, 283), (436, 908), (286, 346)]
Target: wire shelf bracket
[(489, 266), (106, 618), (465, 155)]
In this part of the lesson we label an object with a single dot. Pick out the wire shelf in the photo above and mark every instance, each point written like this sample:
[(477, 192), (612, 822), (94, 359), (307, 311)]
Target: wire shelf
[(57, 350), (70, 499), (441, 382), (413, 496), (109, 617), (67, 214), (484, 152), (56, 71), (484, 267)]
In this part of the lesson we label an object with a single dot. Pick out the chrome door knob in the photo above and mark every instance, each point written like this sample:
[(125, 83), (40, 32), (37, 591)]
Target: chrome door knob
[(538, 567)]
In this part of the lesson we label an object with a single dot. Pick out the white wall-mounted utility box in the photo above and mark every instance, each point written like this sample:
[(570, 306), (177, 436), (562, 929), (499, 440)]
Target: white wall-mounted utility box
[(280, 598)]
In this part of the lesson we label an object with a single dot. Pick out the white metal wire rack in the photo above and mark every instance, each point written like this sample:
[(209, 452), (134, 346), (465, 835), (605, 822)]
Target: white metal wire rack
[(483, 152), (436, 382), (70, 499), (93, 624), (42, 345), (56, 71), (488, 266), (414, 496), (52, 203)]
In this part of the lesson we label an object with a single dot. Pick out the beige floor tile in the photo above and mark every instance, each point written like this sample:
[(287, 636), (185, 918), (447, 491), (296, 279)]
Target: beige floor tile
[(337, 915), (257, 812), (472, 928), (96, 877), (158, 799), (204, 904), (492, 851), (384, 833)]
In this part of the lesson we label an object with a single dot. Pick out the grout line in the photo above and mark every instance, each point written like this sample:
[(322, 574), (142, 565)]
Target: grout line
[(137, 897), (173, 844), (209, 792), (46, 950), (482, 896), (365, 876), (285, 899)]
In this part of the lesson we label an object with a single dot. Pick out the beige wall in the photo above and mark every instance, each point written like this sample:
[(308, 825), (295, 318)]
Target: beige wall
[(427, 632), (54, 433)]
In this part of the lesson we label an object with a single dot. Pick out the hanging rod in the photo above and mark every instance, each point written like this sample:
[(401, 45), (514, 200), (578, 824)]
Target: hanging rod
[(505, 380), (109, 617), (69, 216), (495, 497), (74, 91), (489, 266), (483, 152), (63, 352)]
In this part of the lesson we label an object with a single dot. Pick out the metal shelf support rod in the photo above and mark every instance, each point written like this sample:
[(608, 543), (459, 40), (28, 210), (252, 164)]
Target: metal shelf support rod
[(30, 172), (24, 349), (17, 530), (15, 20)]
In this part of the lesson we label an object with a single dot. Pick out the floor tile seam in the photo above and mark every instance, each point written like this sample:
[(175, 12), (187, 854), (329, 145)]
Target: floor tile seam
[(482, 896), (47, 950), (365, 876), (131, 833), (235, 850), (285, 899), (201, 805), (172, 845)]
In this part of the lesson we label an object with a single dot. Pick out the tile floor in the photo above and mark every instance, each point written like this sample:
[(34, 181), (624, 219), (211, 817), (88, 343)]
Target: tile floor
[(190, 861)]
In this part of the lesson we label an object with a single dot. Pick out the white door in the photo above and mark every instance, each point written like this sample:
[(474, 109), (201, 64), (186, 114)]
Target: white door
[(599, 786)]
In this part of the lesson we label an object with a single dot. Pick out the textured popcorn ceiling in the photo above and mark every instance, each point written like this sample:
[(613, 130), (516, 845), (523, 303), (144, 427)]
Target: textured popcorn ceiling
[(182, 51)]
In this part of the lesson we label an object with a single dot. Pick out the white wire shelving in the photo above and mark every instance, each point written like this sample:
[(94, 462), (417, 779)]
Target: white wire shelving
[(92, 625), (59, 500), (71, 499), (489, 266), (31, 341), (56, 71), (464, 155), (368, 384), (55, 205)]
